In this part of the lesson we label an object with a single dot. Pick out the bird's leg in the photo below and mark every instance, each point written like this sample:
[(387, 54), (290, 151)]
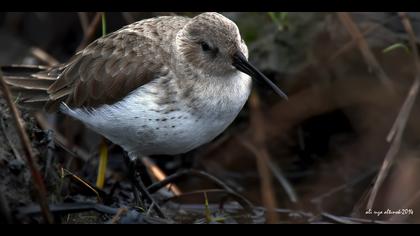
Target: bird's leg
[(130, 163), (189, 160), (138, 183), (103, 162)]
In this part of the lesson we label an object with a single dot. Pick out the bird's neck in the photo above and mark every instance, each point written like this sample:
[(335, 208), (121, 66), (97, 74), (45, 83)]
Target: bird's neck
[(214, 94)]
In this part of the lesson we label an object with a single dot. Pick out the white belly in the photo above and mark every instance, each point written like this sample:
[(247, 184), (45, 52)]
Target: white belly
[(136, 124)]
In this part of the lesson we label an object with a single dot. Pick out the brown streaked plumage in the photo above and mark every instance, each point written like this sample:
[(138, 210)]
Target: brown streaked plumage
[(105, 71)]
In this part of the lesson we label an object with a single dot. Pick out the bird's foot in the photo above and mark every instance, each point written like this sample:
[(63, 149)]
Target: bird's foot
[(138, 184)]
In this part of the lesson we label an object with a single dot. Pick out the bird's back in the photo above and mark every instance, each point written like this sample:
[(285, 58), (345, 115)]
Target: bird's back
[(104, 72)]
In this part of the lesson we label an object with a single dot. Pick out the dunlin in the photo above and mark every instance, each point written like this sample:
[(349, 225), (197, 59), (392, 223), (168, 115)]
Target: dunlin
[(164, 85)]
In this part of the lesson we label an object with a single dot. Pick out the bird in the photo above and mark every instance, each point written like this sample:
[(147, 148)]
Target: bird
[(160, 86)]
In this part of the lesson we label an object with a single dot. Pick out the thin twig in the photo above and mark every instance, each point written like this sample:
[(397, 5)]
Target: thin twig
[(232, 195), (100, 194), (346, 185), (195, 192), (177, 176), (84, 21), (368, 55), (262, 158), (338, 219), (118, 215), (404, 111), (284, 182), (44, 56), (412, 38), (396, 142), (352, 220), (158, 174), (397, 130), (349, 45), (41, 190), (90, 33)]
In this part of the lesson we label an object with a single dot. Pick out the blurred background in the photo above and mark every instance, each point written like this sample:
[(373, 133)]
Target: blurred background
[(352, 116)]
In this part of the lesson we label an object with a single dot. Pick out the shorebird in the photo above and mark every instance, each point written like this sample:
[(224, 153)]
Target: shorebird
[(164, 85)]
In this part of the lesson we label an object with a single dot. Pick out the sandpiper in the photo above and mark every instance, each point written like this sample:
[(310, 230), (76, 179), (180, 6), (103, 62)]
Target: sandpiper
[(164, 85)]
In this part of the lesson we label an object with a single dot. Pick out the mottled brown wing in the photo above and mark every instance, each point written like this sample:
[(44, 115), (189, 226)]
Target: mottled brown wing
[(107, 70)]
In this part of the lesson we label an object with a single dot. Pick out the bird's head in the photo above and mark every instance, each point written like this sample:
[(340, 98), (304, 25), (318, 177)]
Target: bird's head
[(212, 44)]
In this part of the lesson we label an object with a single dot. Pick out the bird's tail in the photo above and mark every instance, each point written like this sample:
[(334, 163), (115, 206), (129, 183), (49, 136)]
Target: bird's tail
[(29, 84)]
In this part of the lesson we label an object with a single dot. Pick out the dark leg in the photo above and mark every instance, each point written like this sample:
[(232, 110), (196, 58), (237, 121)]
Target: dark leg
[(139, 185), (189, 160), (132, 177)]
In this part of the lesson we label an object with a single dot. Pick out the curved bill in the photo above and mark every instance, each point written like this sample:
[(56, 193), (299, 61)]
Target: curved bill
[(242, 64)]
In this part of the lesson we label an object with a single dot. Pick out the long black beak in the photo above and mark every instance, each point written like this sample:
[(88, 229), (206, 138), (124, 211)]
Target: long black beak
[(242, 64)]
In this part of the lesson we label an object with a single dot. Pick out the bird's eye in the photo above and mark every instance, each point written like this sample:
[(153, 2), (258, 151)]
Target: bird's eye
[(205, 47)]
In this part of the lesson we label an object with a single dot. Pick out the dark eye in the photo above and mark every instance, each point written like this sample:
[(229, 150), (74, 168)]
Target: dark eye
[(205, 47)]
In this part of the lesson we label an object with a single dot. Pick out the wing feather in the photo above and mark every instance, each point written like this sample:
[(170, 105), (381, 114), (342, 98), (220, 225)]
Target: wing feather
[(108, 69)]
